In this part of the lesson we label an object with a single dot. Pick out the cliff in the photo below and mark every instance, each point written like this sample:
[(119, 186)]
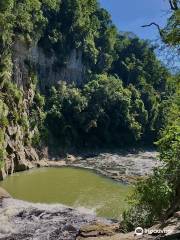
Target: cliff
[(32, 73), (46, 67)]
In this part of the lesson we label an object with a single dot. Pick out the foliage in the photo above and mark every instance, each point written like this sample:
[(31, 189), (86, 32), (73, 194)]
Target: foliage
[(61, 26), (158, 196), (102, 113), (171, 33), (81, 24)]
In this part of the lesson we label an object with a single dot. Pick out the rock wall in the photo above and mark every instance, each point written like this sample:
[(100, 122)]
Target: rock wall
[(29, 61), (46, 67), (19, 156)]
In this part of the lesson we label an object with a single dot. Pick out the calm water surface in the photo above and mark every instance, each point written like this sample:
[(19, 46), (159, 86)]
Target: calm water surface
[(70, 186)]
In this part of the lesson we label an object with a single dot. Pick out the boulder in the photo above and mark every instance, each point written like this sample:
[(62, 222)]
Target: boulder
[(98, 229), (20, 163), (70, 158)]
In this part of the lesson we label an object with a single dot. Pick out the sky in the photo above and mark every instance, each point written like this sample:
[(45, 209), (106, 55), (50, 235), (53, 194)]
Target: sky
[(130, 15)]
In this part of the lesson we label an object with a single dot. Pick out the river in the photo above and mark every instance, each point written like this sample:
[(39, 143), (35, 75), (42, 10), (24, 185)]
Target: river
[(77, 188)]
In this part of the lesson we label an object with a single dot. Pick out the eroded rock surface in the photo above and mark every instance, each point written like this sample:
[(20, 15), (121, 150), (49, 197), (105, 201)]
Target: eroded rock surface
[(22, 220), (26, 221), (122, 167)]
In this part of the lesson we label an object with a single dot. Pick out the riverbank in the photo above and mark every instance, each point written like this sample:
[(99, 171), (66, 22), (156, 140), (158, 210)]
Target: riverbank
[(123, 167)]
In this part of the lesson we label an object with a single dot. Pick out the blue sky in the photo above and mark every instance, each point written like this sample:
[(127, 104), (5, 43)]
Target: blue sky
[(130, 15)]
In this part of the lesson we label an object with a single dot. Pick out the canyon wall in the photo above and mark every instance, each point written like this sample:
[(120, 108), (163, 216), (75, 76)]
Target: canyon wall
[(20, 155), (46, 67)]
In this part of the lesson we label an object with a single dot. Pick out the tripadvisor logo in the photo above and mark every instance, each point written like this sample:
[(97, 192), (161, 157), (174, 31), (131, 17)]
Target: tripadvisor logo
[(139, 231)]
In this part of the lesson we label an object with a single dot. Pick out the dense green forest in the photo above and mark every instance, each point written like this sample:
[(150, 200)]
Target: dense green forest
[(129, 97), (126, 86), (157, 198)]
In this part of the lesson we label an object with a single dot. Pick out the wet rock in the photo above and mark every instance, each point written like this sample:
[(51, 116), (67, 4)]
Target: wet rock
[(9, 164), (70, 158), (20, 163), (4, 194), (41, 221), (98, 229)]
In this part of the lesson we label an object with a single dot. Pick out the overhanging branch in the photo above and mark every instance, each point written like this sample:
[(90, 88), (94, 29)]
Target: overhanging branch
[(173, 4), (156, 25)]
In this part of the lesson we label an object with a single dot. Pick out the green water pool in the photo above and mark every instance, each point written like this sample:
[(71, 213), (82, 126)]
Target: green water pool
[(78, 188)]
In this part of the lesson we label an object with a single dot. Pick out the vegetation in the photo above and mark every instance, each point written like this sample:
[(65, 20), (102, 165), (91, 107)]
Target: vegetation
[(126, 86), (158, 197), (102, 113), (106, 54)]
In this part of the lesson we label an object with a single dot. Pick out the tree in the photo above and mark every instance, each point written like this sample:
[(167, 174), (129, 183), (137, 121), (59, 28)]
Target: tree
[(158, 196), (171, 33)]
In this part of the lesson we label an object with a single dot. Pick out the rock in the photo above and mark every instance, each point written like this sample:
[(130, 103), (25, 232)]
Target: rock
[(20, 162), (9, 164), (98, 229), (177, 215), (3, 174), (42, 163), (122, 166), (69, 228), (129, 236), (31, 154), (70, 158), (4, 194), (11, 130), (73, 71), (10, 147), (41, 221)]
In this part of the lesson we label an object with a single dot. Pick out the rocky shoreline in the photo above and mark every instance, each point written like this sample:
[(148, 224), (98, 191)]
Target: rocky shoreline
[(125, 167), (122, 167)]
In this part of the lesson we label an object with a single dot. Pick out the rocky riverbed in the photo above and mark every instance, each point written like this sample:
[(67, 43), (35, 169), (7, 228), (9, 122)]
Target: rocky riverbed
[(123, 166), (22, 220)]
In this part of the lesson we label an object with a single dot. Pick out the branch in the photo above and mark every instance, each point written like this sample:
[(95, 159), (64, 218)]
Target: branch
[(173, 4), (154, 24)]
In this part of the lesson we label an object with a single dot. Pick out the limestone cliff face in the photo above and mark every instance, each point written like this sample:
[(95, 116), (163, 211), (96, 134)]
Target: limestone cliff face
[(45, 67), (20, 155)]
